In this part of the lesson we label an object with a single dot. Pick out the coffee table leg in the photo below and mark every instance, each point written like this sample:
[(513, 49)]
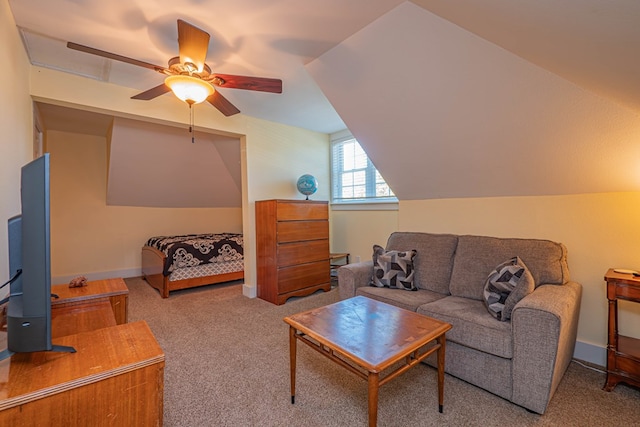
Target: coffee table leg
[(374, 385), (292, 361), (441, 341)]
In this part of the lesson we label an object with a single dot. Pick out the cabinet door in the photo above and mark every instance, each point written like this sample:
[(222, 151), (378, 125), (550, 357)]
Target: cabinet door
[(302, 252), (294, 231), (302, 276)]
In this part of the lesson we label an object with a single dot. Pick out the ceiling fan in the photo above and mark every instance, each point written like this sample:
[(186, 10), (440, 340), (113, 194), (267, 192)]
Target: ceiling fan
[(188, 76)]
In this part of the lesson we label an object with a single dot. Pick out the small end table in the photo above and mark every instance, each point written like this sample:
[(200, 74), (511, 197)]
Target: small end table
[(333, 257), (114, 291), (623, 353)]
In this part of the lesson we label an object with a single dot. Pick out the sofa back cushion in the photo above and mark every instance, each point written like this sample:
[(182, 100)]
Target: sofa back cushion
[(477, 256), (434, 257)]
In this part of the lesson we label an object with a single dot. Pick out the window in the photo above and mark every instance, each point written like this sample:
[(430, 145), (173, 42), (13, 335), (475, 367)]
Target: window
[(354, 178)]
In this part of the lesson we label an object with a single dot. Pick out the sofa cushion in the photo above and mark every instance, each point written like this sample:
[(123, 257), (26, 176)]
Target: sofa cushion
[(434, 259), (393, 269), (476, 256), (407, 300), (507, 284), (472, 325)]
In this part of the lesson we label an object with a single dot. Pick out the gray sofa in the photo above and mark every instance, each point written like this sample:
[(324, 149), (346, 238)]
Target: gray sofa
[(521, 360)]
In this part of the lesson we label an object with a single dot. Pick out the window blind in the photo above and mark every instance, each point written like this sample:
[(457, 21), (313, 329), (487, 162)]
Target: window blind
[(354, 177)]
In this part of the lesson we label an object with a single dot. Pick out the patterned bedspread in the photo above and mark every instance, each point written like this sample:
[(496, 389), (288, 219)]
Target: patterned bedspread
[(195, 249)]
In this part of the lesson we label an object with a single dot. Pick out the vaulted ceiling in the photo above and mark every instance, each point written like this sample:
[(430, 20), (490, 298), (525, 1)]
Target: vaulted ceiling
[(450, 99)]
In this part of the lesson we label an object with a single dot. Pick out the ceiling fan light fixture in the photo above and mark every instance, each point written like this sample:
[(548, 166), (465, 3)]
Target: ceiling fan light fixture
[(189, 89)]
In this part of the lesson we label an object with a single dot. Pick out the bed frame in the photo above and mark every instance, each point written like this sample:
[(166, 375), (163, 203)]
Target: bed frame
[(152, 265)]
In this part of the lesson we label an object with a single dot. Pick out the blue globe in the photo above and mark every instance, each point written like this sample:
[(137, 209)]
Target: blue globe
[(307, 185)]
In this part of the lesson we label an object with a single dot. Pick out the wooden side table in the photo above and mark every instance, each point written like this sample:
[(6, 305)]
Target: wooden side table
[(114, 291), (333, 257), (623, 353)]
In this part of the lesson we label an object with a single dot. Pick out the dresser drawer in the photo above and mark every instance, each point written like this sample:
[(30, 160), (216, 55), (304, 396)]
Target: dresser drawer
[(294, 231), (302, 276), (303, 252), (293, 211)]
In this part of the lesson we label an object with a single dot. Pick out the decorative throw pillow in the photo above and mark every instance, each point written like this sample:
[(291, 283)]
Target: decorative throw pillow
[(506, 285), (393, 269)]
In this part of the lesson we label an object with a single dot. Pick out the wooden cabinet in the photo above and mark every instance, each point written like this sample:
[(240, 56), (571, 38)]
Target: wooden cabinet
[(115, 378), (114, 291), (623, 353), (292, 238)]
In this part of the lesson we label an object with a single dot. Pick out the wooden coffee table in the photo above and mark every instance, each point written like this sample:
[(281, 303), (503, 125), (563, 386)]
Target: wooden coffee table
[(369, 338)]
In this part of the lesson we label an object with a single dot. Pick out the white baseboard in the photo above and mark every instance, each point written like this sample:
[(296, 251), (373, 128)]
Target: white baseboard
[(249, 291), (100, 275), (590, 353)]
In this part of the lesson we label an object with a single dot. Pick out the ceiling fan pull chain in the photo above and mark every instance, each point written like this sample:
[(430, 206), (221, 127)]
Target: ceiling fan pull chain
[(191, 123)]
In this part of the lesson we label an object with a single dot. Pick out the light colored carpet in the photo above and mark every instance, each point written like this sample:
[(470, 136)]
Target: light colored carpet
[(227, 364)]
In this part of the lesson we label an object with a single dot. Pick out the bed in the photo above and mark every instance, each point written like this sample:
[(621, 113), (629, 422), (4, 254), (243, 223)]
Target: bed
[(170, 263)]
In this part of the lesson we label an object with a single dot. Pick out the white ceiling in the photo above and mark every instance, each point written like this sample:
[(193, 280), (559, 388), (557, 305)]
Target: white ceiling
[(593, 43), (435, 90), (248, 37)]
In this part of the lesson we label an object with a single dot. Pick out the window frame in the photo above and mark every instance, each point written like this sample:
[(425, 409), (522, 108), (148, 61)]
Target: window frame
[(371, 200)]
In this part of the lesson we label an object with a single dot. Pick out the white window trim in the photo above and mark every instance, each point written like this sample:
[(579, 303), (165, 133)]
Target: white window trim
[(365, 206), (390, 203)]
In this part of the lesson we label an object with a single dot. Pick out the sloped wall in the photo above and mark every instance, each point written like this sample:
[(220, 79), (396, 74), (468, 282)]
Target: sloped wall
[(443, 113), (158, 166)]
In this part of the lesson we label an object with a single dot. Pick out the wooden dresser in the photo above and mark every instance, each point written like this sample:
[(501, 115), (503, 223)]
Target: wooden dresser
[(292, 247)]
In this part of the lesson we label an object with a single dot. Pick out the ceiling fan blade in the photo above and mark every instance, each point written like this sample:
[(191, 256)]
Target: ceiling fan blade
[(193, 44), (114, 56), (222, 104), (152, 93), (262, 84)]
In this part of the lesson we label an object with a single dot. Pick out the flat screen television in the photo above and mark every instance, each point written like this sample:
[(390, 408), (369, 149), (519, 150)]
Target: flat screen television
[(29, 305)]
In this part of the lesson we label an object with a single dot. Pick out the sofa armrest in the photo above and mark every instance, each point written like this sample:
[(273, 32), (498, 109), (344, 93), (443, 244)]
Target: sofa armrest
[(545, 326), (352, 277)]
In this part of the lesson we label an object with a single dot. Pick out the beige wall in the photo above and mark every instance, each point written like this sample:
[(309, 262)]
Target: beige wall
[(276, 156), (16, 124), (356, 231), (268, 148), (92, 239), (599, 230)]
